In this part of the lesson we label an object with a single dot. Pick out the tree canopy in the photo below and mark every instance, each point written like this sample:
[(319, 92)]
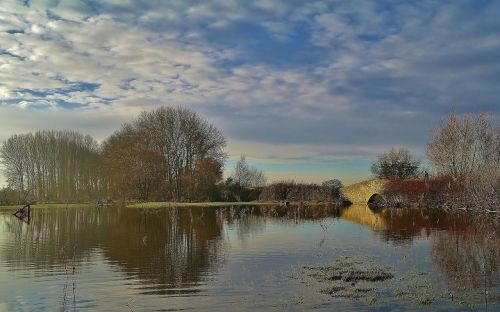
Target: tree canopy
[(396, 164), (173, 153)]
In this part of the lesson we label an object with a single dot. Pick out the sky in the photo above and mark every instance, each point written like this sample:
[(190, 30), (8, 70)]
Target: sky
[(307, 90)]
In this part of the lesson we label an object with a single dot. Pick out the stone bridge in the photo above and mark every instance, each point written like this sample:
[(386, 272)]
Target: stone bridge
[(362, 192)]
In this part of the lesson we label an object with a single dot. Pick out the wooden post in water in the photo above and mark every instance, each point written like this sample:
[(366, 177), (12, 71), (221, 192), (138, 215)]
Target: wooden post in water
[(24, 213)]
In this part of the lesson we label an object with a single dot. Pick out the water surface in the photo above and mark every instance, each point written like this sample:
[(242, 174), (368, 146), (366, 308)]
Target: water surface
[(241, 258)]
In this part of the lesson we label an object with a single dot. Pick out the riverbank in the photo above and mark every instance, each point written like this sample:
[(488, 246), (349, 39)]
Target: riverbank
[(152, 205), (221, 204), (48, 205)]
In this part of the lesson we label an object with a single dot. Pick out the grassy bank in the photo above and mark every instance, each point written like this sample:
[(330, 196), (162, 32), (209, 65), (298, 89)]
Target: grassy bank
[(49, 205), (165, 204), (221, 204), (202, 204)]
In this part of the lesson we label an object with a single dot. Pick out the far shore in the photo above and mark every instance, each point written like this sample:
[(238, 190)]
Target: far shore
[(167, 204), (50, 205), (219, 204)]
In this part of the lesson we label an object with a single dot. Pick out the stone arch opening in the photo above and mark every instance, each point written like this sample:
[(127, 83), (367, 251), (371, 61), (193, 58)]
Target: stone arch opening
[(376, 201)]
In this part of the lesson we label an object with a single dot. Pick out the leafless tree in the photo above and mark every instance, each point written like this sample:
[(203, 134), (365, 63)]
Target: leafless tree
[(182, 137), (53, 165), (467, 149), (465, 145), (246, 176)]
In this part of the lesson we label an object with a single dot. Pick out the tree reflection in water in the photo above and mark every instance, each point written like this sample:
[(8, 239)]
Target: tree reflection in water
[(465, 249), (166, 250), (169, 250), (174, 250), (469, 257)]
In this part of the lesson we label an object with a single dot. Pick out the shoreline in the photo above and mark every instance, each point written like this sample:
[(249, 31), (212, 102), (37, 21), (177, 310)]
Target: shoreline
[(152, 205), (48, 205)]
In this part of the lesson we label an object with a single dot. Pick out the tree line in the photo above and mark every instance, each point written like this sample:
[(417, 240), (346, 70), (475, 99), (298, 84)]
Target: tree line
[(174, 154), (165, 154), (53, 165)]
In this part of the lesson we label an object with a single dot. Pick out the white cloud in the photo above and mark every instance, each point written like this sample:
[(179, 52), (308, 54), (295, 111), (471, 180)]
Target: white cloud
[(357, 66), (24, 105)]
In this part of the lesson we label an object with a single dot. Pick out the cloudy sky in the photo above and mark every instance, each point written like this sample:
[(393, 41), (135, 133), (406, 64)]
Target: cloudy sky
[(309, 90)]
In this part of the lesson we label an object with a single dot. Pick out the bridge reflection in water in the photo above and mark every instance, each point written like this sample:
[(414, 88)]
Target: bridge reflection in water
[(464, 248), (402, 225), (362, 214)]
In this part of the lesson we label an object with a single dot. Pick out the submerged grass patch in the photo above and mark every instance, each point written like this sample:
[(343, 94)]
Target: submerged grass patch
[(359, 278), (350, 277), (351, 270)]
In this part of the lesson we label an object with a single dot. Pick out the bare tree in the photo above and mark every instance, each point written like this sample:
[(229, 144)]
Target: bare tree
[(182, 137), (246, 176), (396, 164), (186, 144), (465, 145), (467, 149), (53, 165)]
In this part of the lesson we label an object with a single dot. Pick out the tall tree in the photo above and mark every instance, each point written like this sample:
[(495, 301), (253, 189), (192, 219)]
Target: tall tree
[(181, 145), (53, 165)]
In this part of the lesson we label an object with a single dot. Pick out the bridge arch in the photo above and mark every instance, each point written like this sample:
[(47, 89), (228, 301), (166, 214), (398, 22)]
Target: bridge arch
[(375, 198), (363, 192)]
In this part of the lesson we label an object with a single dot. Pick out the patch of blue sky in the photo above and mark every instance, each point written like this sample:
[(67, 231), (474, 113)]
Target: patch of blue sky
[(259, 45), (4, 52), (127, 84), (370, 37), (73, 87), (317, 166), (15, 31), (9, 102), (341, 166)]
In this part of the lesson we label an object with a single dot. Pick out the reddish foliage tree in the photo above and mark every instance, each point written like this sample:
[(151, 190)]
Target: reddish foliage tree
[(135, 171)]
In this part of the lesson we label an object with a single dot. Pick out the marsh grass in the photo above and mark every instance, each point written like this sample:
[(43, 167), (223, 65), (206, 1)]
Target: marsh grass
[(356, 278), (359, 278)]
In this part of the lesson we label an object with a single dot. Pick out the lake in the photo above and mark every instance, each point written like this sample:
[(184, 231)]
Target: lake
[(248, 258)]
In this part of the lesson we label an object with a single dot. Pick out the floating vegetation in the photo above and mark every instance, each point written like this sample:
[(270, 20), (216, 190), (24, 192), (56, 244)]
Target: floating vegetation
[(416, 288), (360, 278), (350, 277)]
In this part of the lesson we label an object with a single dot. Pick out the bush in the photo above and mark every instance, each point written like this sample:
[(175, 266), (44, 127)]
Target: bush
[(292, 191), (9, 196), (396, 164), (477, 193)]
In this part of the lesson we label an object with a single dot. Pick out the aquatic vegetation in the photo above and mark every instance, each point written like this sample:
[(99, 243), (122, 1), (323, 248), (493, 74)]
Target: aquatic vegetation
[(350, 277), (416, 288)]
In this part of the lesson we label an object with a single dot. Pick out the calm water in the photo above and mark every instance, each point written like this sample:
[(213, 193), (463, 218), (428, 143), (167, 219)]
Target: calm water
[(243, 258)]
